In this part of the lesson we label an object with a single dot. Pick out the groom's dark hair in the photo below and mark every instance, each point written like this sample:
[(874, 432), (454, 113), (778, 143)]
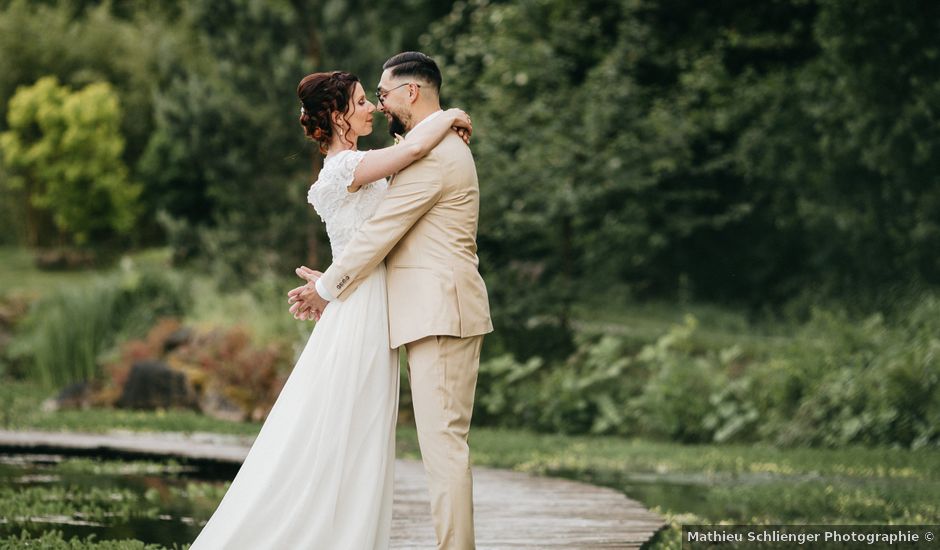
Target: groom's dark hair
[(417, 65)]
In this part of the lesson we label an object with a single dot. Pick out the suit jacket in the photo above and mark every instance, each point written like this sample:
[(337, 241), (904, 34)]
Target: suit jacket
[(425, 228)]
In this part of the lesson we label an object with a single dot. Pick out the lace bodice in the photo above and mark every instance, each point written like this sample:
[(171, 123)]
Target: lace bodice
[(343, 212)]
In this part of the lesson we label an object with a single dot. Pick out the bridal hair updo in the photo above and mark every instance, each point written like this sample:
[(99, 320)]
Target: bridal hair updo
[(320, 95)]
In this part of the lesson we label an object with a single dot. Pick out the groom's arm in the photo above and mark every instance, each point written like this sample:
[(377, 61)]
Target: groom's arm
[(412, 193)]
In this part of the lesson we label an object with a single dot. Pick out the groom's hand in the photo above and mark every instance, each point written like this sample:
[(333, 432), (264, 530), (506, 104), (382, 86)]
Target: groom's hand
[(299, 309), (305, 303), (308, 304)]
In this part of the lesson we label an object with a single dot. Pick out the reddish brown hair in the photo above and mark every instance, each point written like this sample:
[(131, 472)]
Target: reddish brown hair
[(322, 94)]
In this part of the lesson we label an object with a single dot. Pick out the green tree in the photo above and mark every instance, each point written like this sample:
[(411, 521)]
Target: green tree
[(131, 48), (227, 159), (64, 149), (710, 152), (518, 68)]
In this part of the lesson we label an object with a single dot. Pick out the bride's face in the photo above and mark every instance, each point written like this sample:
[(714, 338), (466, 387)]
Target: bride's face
[(359, 112)]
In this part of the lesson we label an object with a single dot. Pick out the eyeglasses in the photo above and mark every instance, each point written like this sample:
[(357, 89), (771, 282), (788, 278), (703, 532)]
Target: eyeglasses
[(380, 95)]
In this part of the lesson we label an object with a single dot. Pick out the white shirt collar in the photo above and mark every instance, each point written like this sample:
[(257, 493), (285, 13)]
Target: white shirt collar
[(427, 118)]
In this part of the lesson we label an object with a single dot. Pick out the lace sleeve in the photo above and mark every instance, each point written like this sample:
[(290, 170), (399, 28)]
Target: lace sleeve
[(346, 166), (328, 192)]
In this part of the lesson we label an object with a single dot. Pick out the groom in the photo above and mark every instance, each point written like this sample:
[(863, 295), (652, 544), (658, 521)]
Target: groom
[(425, 229)]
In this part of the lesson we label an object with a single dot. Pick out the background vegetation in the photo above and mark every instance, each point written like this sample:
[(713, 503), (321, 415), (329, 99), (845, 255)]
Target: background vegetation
[(778, 164), (709, 225)]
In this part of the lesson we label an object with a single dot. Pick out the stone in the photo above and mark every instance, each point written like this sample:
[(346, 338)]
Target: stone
[(153, 384), (177, 338), (214, 403), (75, 396)]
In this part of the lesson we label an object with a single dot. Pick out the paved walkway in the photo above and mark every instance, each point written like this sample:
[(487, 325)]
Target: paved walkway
[(511, 509)]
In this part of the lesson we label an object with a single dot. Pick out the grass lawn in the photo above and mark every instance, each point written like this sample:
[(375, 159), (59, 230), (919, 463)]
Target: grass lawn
[(19, 273), (685, 483)]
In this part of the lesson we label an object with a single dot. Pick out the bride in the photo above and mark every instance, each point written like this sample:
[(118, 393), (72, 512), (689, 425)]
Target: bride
[(320, 472)]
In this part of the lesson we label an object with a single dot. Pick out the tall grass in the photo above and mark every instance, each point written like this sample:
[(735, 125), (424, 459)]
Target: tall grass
[(75, 325), (68, 329)]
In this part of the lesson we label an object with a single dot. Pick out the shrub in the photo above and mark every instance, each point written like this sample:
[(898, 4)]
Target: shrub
[(878, 384), (677, 397), (247, 374), (838, 382)]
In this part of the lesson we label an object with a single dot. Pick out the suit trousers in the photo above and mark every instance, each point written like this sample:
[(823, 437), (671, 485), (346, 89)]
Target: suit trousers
[(443, 371)]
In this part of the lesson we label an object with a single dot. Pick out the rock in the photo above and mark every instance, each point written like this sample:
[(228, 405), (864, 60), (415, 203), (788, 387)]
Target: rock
[(75, 396), (153, 384), (177, 338), (214, 403)]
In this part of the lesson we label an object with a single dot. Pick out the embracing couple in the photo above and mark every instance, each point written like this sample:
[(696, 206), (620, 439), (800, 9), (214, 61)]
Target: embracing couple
[(402, 223)]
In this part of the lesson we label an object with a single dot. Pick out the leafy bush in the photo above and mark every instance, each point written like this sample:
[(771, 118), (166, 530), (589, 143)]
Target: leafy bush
[(507, 392), (224, 361), (677, 396), (249, 375), (838, 382), (877, 384)]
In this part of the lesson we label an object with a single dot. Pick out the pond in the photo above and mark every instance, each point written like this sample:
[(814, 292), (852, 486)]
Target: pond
[(162, 502)]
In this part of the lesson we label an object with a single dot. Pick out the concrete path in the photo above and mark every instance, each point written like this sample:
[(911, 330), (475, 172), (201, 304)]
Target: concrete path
[(511, 509)]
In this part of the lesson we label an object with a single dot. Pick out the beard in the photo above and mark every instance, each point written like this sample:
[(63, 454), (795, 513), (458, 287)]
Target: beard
[(395, 125)]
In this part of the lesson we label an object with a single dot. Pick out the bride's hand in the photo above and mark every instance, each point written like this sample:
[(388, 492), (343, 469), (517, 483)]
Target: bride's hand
[(461, 124), (460, 119), (299, 308), (463, 133)]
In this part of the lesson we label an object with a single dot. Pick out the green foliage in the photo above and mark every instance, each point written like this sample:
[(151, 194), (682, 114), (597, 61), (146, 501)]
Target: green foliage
[(55, 540), (836, 382), (718, 153), (876, 384), (92, 503), (64, 149), (114, 497), (674, 149), (66, 331), (82, 45), (225, 151), (675, 399), (506, 394)]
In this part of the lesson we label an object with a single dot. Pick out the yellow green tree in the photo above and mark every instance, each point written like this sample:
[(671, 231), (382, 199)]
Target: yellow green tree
[(62, 154)]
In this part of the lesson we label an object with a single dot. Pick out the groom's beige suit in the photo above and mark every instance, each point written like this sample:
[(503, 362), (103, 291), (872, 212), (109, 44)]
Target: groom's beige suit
[(425, 229)]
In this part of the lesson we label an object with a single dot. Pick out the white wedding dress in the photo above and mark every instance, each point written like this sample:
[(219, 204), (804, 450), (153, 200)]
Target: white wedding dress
[(320, 472)]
